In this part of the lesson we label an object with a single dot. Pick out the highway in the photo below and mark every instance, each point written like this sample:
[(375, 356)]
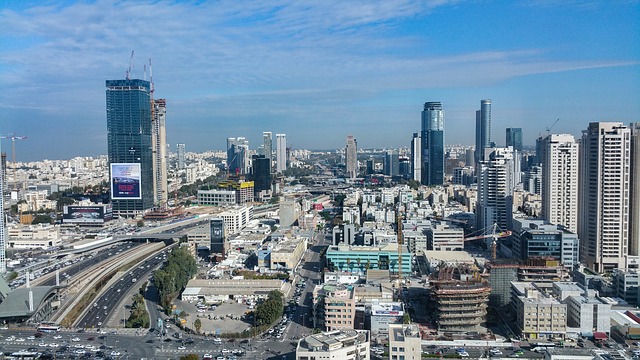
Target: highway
[(103, 307)]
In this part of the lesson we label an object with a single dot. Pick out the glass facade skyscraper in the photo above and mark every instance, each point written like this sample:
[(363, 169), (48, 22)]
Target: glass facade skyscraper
[(514, 138), (432, 137), (483, 130), (129, 136)]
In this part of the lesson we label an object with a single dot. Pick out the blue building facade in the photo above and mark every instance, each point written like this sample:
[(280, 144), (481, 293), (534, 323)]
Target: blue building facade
[(432, 136), (358, 259), (483, 130), (129, 139), (514, 138)]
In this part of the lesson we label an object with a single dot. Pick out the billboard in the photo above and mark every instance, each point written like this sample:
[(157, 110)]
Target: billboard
[(125, 181), (89, 215)]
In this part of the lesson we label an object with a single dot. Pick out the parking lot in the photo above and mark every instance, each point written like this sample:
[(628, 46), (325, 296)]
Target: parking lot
[(225, 318)]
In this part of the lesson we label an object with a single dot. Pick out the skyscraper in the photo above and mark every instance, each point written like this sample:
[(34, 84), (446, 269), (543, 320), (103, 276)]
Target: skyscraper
[(496, 182), (261, 174), (181, 149), (416, 157), (267, 146), (281, 152), (432, 144), (603, 222), (3, 230), (514, 138), (559, 158), (351, 155), (634, 213), (159, 148), (238, 155), (392, 163), (129, 141), (483, 130)]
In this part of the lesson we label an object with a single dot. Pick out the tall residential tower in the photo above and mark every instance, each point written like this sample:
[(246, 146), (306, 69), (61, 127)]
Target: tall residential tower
[(483, 130), (351, 156), (603, 222), (559, 159), (432, 144), (281, 152), (159, 148), (267, 146)]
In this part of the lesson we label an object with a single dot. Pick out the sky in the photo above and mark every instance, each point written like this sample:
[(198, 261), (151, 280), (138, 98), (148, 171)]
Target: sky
[(315, 70)]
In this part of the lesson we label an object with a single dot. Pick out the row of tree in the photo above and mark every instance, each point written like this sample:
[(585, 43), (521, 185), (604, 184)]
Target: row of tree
[(271, 310), (174, 276), (139, 317)]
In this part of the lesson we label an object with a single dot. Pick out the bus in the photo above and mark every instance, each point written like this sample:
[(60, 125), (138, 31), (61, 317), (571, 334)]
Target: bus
[(541, 346), (48, 327)]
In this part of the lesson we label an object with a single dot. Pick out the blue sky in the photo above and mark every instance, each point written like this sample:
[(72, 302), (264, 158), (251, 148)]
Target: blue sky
[(316, 70)]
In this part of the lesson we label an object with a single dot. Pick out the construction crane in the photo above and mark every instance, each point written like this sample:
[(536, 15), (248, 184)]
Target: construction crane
[(400, 240), (552, 125), (127, 74), (13, 138), (495, 235)]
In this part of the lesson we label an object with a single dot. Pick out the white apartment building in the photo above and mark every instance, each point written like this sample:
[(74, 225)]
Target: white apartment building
[(216, 197), (495, 189), (281, 152), (603, 225), (589, 314), (445, 237), (634, 213), (538, 316), (560, 180), (404, 342), (339, 344), (237, 218)]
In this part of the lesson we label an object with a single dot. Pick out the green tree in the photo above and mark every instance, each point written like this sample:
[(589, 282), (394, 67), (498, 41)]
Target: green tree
[(190, 357), (406, 318), (42, 219), (140, 223), (179, 269), (271, 309), (198, 325), (12, 276)]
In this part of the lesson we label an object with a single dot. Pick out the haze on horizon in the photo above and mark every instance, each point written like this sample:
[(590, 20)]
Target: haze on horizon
[(315, 71)]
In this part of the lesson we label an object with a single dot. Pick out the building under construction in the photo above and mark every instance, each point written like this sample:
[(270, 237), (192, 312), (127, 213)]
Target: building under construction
[(460, 296)]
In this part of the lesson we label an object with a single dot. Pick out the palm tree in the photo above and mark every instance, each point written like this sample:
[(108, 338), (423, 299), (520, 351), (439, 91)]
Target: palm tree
[(198, 325)]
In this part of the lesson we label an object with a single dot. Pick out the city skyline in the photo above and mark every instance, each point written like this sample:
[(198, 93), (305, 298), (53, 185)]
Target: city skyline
[(316, 72)]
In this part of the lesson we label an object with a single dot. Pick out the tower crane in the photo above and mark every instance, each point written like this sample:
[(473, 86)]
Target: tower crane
[(128, 72), (13, 138), (495, 235), (552, 125)]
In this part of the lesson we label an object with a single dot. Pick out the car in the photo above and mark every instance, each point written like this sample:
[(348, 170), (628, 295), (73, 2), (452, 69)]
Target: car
[(226, 351), (181, 347), (32, 337), (115, 353), (56, 337), (75, 339)]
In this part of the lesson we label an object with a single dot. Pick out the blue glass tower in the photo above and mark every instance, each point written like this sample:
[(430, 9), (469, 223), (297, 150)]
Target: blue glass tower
[(432, 144), (129, 141), (483, 130), (514, 138)]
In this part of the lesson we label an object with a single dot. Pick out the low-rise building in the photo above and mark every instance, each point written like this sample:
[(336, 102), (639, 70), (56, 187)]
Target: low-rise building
[(445, 237), (384, 314), (33, 236), (216, 291), (538, 316), (286, 253), (589, 314), (404, 342), (216, 197), (237, 218), (359, 259), (339, 344)]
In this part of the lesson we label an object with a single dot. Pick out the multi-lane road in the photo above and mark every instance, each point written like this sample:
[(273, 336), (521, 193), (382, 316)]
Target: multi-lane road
[(105, 306)]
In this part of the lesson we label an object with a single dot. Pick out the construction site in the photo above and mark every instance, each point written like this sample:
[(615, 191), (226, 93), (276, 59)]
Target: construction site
[(460, 297)]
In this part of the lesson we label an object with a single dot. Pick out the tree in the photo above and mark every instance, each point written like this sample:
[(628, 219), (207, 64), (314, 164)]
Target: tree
[(406, 318), (198, 325), (41, 219), (190, 357), (140, 223)]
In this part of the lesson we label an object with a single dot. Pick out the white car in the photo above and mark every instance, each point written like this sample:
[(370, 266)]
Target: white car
[(79, 346), (20, 339), (115, 353), (182, 347), (75, 339), (56, 337), (33, 337)]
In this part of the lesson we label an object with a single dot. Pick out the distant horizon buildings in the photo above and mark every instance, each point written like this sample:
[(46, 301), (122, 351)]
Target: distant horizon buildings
[(267, 146), (351, 157), (130, 148), (181, 156), (281, 152), (432, 138)]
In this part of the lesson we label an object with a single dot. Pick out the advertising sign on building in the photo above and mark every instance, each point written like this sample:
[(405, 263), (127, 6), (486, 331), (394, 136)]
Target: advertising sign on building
[(125, 181), (89, 215)]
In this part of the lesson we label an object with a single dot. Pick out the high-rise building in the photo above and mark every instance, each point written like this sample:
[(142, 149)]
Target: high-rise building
[(3, 230), (432, 137), (181, 149), (514, 138), (129, 141), (496, 181), (267, 146), (416, 157), (238, 155), (261, 174), (218, 233), (281, 152), (559, 159), (392, 163), (159, 148), (634, 201), (483, 130), (604, 182), (351, 156)]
